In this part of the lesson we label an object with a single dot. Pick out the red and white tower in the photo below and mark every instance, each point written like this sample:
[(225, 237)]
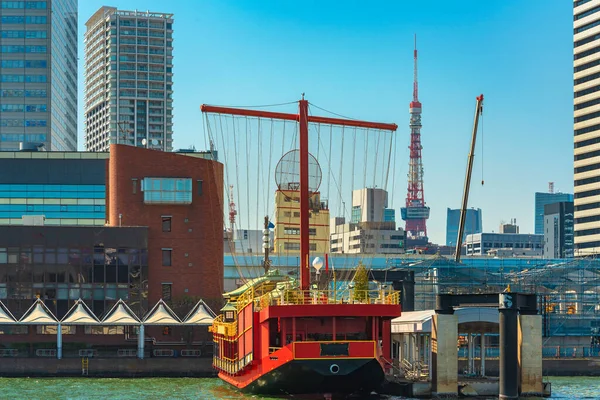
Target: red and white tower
[(232, 211), (415, 213)]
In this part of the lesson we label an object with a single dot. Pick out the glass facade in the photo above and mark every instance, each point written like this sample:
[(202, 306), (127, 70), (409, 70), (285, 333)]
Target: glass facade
[(167, 190), (473, 224), (129, 57), (59, 204), (541, 199), (38, 74), (53, 188), (61, 275)]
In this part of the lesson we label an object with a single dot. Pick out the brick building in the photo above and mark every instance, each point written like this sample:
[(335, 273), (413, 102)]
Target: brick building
[(180, 200), (176, 200)]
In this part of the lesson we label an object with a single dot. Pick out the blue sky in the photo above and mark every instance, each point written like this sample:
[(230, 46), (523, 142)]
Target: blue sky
[(355, 58)]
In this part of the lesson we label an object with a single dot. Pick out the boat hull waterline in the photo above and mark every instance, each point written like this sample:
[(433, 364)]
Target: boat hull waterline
[(345, 376)]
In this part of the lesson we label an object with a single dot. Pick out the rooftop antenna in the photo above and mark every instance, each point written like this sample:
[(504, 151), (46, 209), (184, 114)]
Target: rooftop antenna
[(415, 84)]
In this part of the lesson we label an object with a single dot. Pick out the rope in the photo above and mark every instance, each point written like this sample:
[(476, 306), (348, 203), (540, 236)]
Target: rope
[(387, 172), (331, 112), (340, 209), (329, 160)]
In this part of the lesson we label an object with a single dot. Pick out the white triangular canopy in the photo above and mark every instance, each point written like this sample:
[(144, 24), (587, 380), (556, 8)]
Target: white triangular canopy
[(120, 314), (38, 314), (6, 318), (201, 314), (161, 314), (80, 314)]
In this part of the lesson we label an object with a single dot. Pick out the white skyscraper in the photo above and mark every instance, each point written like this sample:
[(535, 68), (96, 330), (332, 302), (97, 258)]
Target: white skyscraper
[(586, 37), (129, 79)]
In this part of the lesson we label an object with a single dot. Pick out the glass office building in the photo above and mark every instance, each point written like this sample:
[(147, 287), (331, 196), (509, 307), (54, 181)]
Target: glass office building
[(473, 224), (63, 264), (128, 79), (541, 200), (52, 188), (38, 68)]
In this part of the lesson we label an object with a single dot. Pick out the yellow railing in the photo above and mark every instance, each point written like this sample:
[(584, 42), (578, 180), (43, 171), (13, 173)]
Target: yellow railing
[(320, 297), (223, 328), (253, 294)]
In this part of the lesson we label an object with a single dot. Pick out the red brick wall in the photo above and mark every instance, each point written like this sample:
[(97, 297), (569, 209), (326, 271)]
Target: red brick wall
[(197, 256)]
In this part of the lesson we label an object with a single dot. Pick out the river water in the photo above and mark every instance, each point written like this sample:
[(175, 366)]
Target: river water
[(201, 389)]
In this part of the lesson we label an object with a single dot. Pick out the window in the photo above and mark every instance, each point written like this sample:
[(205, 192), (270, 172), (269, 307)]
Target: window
[(134, 182), (167, 190), (166, 224), (166, 257), (199, 188), (291, 246), (166, 291)]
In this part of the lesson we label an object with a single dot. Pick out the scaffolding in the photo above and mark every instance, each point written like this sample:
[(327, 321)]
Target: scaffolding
[(568, 289)]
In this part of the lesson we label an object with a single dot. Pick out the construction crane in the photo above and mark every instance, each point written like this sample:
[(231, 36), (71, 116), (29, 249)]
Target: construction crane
[(232, 211), (465, 199)]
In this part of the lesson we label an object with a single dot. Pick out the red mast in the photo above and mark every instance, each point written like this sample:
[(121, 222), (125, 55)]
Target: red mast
[(303, 119), (415, 213)]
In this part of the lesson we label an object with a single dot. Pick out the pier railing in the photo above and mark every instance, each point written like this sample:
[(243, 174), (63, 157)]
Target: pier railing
[(493, 352)]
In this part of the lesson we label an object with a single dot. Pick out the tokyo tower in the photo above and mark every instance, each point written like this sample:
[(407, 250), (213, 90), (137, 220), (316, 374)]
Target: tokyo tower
[(416, 212)]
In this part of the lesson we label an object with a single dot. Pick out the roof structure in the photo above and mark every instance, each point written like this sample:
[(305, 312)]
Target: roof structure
[(6, 318), (420, 321), (120, 314), (38, 314), (80, 314), (161, 314), (201, 314)]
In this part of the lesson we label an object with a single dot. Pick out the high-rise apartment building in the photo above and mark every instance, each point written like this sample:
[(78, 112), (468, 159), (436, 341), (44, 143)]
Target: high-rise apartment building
[(586, 76), (473, 224), (38, 68), (541, 200), (129, 79)]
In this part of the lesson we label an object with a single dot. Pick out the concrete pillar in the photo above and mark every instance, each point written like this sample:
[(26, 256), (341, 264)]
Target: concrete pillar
[(482, 354), (530, 354), (509, 361), (59, 342), (470, 353), (444, 355), (141, 337)]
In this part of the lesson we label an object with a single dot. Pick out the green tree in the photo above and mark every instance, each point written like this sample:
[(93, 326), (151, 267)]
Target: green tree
[(361, 283)]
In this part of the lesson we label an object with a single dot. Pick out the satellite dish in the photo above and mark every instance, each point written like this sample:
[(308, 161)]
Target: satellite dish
[(144, 142), (154, 142), (287, 173)]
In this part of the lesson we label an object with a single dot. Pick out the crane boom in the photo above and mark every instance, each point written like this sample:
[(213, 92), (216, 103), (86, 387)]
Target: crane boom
[(465, 199)]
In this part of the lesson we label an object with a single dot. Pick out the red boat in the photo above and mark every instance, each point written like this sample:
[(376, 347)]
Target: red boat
[(276, 338)]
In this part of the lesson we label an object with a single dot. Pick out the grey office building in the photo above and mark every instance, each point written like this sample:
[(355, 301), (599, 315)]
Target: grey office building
[(558, 230), (128, 79), (38, 85), (541, 199)]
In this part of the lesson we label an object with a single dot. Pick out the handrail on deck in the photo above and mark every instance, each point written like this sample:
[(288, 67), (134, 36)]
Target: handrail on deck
[(320, 297)]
